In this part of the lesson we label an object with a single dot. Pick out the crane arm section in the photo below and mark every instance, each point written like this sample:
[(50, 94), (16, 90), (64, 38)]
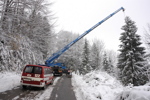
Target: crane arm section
[(56, 55)]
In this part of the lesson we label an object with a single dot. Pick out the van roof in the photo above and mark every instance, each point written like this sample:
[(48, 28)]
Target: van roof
[(38, 65)]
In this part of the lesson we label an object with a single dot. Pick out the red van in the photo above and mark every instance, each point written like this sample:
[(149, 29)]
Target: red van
[(37, 76)]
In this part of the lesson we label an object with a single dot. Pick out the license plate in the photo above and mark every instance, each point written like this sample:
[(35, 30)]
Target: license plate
[(27, 79)]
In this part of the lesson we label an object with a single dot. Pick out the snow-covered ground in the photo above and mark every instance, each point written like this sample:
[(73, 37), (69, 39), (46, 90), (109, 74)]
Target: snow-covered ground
[(9, 80), (101, 86), (92, 86), (96, 86), (135, 93)]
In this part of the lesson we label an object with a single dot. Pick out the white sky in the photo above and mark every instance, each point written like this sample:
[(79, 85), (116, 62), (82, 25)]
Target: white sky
[(79, 15)]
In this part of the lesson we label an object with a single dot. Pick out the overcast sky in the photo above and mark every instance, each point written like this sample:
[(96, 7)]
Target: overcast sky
[(79, 15)]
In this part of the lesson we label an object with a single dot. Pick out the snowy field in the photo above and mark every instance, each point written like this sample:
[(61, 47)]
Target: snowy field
[(93, 86)]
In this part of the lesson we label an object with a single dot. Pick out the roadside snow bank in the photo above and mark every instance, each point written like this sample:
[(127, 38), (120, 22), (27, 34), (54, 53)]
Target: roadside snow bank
[(9, 80), (135, 93), (96, 86)]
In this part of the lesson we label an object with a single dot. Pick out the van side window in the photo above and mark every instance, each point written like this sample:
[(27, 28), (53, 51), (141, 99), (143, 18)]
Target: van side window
[(47, 71), (50, 71)]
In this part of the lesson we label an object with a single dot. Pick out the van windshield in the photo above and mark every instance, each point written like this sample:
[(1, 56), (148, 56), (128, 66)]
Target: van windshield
[(33, 69)]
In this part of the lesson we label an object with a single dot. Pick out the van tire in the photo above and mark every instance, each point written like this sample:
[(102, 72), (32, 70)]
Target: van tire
[(24, 86), (60, 74), (52, 82)]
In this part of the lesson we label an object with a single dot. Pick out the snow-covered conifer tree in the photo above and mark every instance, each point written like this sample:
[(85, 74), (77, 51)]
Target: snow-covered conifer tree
[(131, 59), (85, 67), (107, 64), (95, 56)]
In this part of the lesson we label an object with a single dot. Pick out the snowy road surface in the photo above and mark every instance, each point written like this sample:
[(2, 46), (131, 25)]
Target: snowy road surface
[(63, 90), (19, 94)]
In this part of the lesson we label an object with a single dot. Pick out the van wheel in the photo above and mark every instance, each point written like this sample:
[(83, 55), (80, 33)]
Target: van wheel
[(24, 87), (52, 82)]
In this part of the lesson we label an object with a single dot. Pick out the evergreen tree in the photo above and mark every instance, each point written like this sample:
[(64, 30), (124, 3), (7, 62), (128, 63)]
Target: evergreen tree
[(95, 56), (131, 59), (107, 64), (85, 67), (111, 67)]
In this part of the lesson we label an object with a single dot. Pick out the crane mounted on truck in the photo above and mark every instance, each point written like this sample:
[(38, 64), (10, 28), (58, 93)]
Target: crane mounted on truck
[(51, 60)]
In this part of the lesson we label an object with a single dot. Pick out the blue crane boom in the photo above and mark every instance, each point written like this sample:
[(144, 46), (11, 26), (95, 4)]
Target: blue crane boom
[(50, 61)]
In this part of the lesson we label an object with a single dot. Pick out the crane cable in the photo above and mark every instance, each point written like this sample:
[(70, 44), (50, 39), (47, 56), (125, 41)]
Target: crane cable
[(124, 14)]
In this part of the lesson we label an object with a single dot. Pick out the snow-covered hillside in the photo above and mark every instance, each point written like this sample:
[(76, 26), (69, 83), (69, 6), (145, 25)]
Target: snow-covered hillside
[(101, 86), (15, 59)]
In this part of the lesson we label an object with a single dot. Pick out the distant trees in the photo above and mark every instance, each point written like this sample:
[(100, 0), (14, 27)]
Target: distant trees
[(96, 54), (131, 62), (108, 63)]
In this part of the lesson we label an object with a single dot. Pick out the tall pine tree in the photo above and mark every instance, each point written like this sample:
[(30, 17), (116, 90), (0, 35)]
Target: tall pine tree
[(131, 59), (85, 67), (95, 56)]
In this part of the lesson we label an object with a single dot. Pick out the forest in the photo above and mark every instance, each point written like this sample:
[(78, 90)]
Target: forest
[(27, 36)]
